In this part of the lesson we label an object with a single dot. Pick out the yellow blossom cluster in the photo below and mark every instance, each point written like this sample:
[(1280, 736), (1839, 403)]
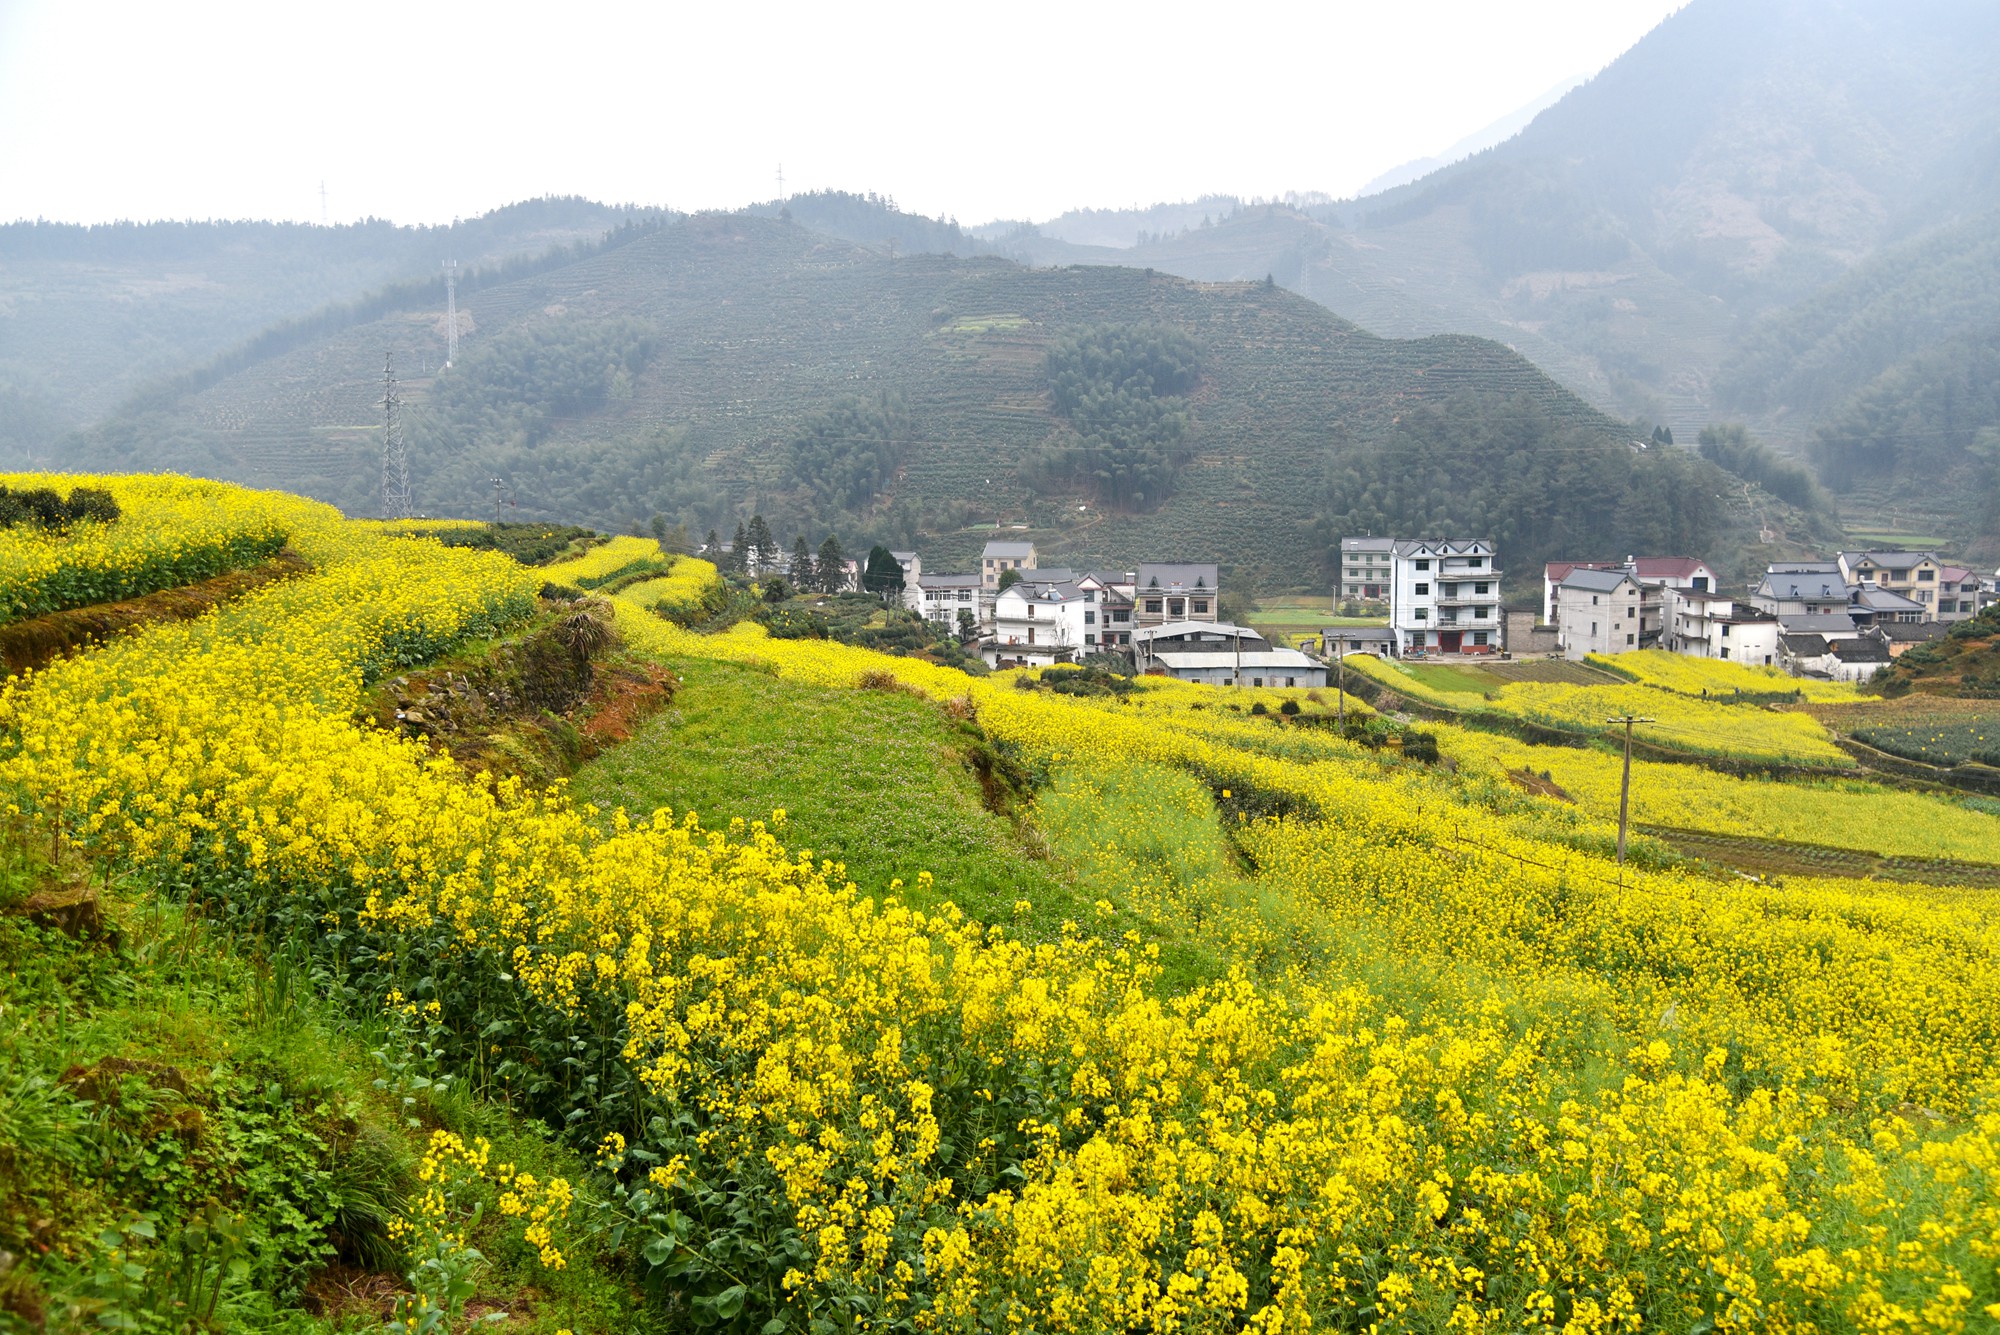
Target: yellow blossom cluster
[(1688, 675), (623, 555), (681, 590), (1679, 723), (176, 531), (1505, 1084)]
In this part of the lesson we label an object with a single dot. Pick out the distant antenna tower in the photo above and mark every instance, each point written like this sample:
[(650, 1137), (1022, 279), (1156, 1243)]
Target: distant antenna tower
[(781, 183), (322, 203), (395, 455), (450, 313)]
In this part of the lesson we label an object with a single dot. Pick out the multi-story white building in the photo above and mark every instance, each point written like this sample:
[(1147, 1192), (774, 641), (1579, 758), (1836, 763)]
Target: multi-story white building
[(1712, 625), (1036, 623), (1958, 594), (1366, 568), (1604, 612), (942, 597), (1115, 605), (1444, 597)]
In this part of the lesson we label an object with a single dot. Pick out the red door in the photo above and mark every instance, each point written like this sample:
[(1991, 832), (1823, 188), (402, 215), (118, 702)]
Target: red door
[(1448, 641)]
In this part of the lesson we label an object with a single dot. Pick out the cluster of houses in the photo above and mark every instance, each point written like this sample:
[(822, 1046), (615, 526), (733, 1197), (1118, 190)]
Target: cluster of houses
[(1838, 619), (1165, 615)]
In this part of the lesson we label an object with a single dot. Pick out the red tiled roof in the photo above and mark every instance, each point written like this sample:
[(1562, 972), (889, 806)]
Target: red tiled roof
[(1668, 567)]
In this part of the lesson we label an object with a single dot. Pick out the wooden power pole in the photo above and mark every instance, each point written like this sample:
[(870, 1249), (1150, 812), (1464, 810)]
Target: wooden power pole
[(1625, 783)]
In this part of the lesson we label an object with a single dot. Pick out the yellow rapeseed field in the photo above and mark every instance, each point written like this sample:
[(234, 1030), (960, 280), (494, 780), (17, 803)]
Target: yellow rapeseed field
[(1535, 1092), (176, 531), (1679, 722), (1715, 677)]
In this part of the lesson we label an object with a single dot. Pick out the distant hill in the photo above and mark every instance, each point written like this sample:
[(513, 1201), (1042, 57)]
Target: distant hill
[(1738, 158), (731, 364), (1499, 132), (88, 314)]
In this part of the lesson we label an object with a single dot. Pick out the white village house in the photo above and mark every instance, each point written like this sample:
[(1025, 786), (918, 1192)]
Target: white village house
[(1605, 612), (1444, 597)]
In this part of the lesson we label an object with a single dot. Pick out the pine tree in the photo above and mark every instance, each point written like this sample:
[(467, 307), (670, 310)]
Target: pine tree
[(762, 544), (802, 564), (883, 575), (713, 550), (830, 571), (739, 555)]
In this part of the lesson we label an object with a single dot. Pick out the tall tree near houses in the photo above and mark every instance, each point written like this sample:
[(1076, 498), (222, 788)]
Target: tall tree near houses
[(763, 544), (801, 572), (883, 575), (713, 550), (739, 553), (830, 571)]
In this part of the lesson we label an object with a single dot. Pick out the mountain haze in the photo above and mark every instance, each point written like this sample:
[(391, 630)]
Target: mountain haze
[(731, 364)]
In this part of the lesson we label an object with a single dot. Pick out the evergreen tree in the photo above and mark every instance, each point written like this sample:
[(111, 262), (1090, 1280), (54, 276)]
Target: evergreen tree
[(739, 554), (802, 564), (883, 575), (830, 571), (713, 551), (763, 547)]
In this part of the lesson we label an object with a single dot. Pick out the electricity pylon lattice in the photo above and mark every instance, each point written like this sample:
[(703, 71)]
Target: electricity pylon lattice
[(450, 312), (395, 455)]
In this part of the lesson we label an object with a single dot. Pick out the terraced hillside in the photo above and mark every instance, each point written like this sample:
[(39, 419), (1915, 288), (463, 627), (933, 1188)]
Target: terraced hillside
[(733, 335)]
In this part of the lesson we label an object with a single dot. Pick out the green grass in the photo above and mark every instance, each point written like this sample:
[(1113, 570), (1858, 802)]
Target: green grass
[(1438, 678), (160, 1067), (872, 779)]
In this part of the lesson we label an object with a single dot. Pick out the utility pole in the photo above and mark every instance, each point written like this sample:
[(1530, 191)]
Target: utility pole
[(395, 455), (1340, 662), (1625, 783), (450, 313)]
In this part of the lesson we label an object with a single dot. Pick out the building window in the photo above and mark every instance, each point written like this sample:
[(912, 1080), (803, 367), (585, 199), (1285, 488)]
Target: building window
[(1089, 637), (1925, 576), (1200, 606), (1479, 637), (1480, 612), (1175, 606), (1593, 628), (1152, 604), (1480, 588), (1631, 639), (1121, 614), (1256, 681), (1423, 565), (1090, 618), (1476, 561), (1422, 614), (1423, 590)]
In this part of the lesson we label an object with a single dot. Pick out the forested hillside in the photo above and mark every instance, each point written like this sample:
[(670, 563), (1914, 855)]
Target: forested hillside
[(89, 314), (1740, 157), (731, 365)]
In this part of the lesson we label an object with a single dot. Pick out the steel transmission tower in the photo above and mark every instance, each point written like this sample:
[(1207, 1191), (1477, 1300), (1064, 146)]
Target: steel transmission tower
[(450, 312), (395, 455)]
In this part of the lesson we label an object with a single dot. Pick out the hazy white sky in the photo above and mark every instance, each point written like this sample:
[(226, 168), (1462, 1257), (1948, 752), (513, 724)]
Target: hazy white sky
[(424, 111)]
